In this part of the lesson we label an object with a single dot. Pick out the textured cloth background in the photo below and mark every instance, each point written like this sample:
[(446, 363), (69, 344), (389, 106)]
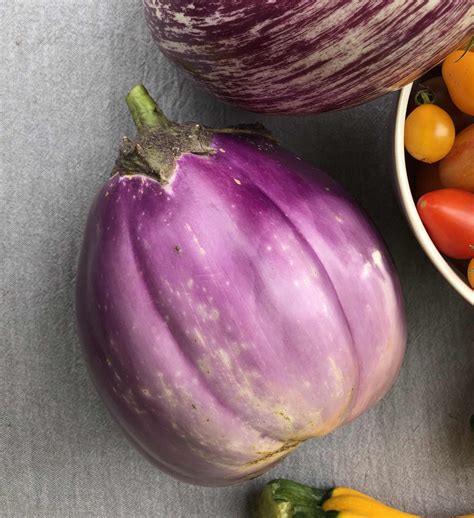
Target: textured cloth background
[(65, 67)]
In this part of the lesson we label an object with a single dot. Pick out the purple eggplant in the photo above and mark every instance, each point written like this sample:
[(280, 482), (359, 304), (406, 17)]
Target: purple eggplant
[(307, 56), (232, 300)]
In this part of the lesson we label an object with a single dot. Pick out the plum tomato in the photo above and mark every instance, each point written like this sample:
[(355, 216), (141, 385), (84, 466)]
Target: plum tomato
[(448, 216), (429, 133), (457, 167)]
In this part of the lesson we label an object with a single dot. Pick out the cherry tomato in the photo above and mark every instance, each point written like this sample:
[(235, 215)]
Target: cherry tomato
[(448, 216), (470, 273), (458, 74), (436, 90), (429, 133), (457, 168)]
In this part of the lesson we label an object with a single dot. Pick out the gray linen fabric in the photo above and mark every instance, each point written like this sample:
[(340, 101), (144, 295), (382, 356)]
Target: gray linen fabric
[(65, 67)]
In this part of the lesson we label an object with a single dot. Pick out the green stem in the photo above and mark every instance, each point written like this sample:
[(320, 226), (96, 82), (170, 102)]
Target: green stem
[(467, 49), (284, 498), (425, 96), (144, 110)]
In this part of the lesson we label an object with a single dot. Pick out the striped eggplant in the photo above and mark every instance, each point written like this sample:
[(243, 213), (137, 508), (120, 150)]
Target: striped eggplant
[(307, 56), (232, 300)]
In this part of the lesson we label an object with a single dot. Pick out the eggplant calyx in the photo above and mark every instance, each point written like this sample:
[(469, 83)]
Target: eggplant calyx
[(161, 142), (154, 152)]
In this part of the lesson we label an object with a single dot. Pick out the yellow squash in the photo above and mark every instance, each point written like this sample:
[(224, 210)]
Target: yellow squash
[(344, 500), (288, 499)]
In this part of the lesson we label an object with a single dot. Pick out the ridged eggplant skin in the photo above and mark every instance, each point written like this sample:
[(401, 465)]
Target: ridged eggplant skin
[(307, 56), (245, 307)]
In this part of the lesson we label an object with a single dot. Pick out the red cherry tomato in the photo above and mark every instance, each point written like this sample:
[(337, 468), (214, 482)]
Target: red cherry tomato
[(448, 215)]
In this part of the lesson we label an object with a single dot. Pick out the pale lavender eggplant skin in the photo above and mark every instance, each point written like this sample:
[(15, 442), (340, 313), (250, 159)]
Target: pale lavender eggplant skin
[(240, 310), (307, 56)]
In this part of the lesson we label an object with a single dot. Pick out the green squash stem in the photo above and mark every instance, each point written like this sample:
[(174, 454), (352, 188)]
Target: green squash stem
[(287, 499)]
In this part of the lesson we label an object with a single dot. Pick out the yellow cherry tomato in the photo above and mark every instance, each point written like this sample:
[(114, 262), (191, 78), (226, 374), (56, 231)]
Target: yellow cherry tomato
[(429, 133), (458, 74), (470, 273)]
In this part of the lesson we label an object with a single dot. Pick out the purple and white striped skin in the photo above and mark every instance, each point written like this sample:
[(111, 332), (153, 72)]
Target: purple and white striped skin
[(244, 307), (307, 56)]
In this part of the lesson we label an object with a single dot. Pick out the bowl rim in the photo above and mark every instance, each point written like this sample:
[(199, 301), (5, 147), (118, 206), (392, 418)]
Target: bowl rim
[(409, 207)]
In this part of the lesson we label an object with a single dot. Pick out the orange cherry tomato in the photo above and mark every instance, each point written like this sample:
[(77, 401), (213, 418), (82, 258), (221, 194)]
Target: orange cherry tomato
[(429, 133), (457, 168), (458, 74), (448, 216), (436, 89), (470, 273)]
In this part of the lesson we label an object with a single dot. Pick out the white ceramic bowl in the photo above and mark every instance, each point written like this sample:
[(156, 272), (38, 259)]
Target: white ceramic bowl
[(447, 268)]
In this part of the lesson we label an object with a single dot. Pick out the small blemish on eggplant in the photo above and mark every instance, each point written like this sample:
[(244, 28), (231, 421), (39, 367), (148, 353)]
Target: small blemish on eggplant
[(178, 249), (267, 455), (283, 414)]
